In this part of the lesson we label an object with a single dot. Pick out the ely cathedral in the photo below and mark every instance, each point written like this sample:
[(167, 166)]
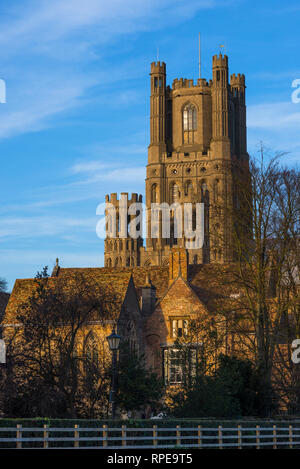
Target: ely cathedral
[(197, 140)]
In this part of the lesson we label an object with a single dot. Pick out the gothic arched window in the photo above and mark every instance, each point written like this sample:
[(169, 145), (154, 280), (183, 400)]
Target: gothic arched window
[(91, 350), (189, 116), (188, 188), (216, 190)]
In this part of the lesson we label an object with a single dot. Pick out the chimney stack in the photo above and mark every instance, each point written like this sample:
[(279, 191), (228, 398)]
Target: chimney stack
[(148, 297), (178, 264)]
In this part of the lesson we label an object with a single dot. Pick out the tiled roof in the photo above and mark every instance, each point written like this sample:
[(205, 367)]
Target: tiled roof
[(210, 282), (159, 276), (23, 289), (213, 283), (4, 297)]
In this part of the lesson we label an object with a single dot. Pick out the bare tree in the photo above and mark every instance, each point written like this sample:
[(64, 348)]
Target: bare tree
[(3, 285), (53, 369), (265, 234)]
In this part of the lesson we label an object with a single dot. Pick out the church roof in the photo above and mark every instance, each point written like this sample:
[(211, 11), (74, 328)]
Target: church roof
[(24, 288), (159, 276), (210, 283)]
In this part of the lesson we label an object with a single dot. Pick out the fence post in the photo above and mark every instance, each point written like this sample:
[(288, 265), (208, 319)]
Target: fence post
[(274, 437), (291, 436), (178, 439), (76, 436), (257, 437), (220, 437), (46, 434), (239, 437), (199, 436), (123, 435), (154, 435), (104, 434), (19, 435)]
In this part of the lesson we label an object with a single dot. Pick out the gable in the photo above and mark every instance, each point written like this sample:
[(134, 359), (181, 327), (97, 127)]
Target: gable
[(181, 300)]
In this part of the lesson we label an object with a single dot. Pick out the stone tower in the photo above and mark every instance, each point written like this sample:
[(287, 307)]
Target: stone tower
[(197, 137), (123, 230)]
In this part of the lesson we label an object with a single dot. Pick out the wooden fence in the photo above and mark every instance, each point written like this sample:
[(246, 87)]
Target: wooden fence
[(284, 435)]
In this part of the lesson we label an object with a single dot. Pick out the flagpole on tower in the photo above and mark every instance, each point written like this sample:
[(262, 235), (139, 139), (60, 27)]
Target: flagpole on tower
[(199, 56)]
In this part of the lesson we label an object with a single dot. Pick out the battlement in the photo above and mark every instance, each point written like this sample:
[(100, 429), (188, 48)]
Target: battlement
[(220, 61), (113, 198), (237, 80), (158, 68), (179, 83)]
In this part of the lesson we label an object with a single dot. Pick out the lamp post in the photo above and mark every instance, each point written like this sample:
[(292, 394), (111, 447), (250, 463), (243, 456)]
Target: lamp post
[(2, 352), (113, 342)]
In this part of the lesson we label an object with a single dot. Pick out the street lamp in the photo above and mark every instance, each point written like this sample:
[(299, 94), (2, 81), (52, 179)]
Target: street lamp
[(2, 352), (113, 341)]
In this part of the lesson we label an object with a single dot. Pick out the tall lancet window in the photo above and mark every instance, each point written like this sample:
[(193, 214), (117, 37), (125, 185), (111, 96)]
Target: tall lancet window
[(91, 348), (154, 193), (189, 123)]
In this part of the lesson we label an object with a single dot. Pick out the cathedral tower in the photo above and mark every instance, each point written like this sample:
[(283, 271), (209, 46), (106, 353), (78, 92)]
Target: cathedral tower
[(197, 135)]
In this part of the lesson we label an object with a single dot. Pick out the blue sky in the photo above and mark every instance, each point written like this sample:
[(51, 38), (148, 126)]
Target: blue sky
[(75, 124)]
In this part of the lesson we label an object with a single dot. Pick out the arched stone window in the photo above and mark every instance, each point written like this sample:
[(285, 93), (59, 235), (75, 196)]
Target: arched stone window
[(204, 191), (189, 118), (91, 350), (188, 188)]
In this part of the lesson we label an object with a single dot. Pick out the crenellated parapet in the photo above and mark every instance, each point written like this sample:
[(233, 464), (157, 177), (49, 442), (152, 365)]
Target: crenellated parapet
[(113, 198), (180, 83), (158, 68), (237, 80), (220, 61)]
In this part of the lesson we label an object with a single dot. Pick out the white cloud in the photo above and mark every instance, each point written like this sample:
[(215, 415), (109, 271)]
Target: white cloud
[(41, 226), (90, 167), (43, 21), (274, 116), (99, 171), (277, 125), (50, 38), (33, 105), (48, 257)]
